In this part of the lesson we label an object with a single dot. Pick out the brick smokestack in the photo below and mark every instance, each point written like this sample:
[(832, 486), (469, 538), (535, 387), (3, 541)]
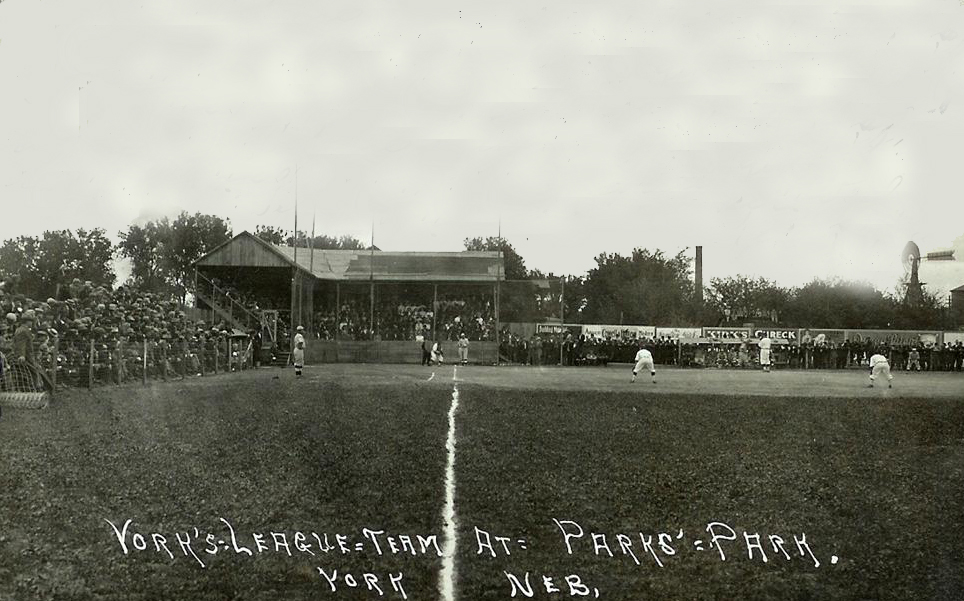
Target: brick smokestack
[(699, 276)]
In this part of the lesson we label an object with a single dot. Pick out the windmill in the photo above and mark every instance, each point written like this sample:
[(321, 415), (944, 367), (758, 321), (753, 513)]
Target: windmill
[(911, 258)]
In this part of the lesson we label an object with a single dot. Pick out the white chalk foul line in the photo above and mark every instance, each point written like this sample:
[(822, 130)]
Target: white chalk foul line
[(446, 581)]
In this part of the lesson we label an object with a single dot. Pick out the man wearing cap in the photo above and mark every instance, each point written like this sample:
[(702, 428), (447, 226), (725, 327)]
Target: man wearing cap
[(879, 366), (23, 342), (23, 339), (913, 360), (298, 353), (764, 345), (463, 345)]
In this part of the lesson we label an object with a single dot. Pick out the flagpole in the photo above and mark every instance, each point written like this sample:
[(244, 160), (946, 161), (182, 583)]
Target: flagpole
[(371, 275), (294, 238), (295, 315), (498, 282)]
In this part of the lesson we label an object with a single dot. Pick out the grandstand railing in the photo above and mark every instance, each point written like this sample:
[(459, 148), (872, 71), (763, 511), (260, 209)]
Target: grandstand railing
[(225, 305)]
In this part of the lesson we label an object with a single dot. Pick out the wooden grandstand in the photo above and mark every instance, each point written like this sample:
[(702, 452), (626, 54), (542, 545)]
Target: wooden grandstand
[(294, 284)]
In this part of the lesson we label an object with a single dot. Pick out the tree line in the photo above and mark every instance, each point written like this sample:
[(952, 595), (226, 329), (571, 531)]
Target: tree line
[(645, 287)]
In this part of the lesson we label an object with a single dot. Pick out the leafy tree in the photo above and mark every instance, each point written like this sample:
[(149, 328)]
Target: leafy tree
[(270, 234), (191, 237), (737, 299), (551, 292), (839, 304), (515, 267), (43, 267), (644, 288), (280, 237), (341, 243), (18, 258), (929, 312), (144, 245)]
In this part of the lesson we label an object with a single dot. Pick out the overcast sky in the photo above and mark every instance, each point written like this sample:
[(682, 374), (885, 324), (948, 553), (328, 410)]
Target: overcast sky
[(791, 141)]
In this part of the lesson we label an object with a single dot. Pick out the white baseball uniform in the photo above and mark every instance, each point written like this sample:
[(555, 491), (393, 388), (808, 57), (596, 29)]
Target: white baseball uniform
[(764, 345), (879, 366), (644, 360)]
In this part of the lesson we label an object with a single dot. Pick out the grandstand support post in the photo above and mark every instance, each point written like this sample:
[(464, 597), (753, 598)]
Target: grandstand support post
[(337, 311), (144, 359), (90, 364)]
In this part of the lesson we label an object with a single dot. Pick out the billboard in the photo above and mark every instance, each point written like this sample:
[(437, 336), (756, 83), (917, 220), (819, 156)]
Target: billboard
[(953, 337), (821, 336), (679, 333), (557, 328), (776, 334), (604, 331), (895, 337), (726, 333)]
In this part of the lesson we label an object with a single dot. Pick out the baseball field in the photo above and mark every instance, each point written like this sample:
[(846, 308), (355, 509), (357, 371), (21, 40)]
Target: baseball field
[(408, 482)]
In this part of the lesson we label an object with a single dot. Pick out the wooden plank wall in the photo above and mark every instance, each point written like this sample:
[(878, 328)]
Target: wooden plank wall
[(244, 252)]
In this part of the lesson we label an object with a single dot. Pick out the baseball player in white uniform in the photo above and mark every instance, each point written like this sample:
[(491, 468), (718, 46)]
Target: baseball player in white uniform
[(298, 352), (879, 366), (765, 344), (644, 360)]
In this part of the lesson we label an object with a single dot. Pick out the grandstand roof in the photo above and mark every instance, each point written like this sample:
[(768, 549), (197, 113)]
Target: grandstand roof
[(247, 250)]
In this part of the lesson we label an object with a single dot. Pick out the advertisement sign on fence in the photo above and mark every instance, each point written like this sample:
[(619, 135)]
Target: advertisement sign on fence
[(604, 331), (822, 336), (726, 333), (556, 328), (895, 337), (776, 334), (679, 333), (953, 337)]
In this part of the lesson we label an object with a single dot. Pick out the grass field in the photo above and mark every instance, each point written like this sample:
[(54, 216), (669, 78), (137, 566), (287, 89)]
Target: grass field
[(345, 471)]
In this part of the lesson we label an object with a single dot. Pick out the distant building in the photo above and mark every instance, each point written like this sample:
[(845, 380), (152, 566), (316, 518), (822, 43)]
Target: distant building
[(957, 305)]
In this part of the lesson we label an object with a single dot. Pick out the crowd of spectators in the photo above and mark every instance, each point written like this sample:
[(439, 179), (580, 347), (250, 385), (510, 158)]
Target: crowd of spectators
[(93, 333), (229, 293), (570, 349), (396, 320), (583, 349)]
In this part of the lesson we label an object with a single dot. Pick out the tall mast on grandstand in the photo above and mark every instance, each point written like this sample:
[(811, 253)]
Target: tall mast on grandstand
[(371, 283), (498, 284), (295, 289), (294, 238)]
